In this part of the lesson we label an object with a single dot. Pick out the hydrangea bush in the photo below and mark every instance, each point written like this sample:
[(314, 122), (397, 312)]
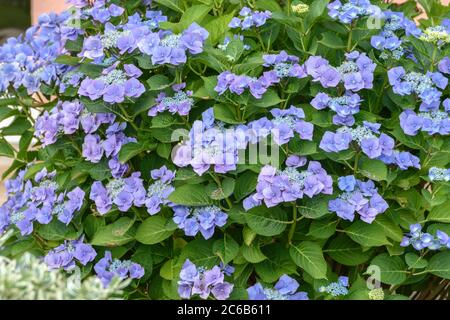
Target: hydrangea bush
[(233, 149)]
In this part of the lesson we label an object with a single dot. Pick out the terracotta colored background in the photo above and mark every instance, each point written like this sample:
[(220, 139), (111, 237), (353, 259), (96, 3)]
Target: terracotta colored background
[(41, 6)]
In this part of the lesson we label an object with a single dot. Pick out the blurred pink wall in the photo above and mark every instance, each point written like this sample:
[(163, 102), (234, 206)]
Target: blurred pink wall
[(40, 6)]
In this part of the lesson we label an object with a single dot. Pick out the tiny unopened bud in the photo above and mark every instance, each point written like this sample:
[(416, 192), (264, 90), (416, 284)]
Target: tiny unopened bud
[(299, 7), (376, 294)]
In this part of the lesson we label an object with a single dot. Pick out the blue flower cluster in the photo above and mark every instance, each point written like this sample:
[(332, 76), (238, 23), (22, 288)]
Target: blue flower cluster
[(425, 86), (199, 219), (180, 103), (358, 196), (432, 122), (210, 144), (389, 40), (439, 174), (107, 268), (114, 85), (249, 19), (336, 289), (99, 11), (172, 48), (421, 240), (122, 192), (277, 186), (283, 126), (356, 72), (159, 190), (345, 106), (285, 289), (352, 10), (39, 201), (381, 148), (282, 66), (204, 282), (66, 117), (65, 255), (29, 61), (365, 135), (444, 65), (94, 147), (141, 33)]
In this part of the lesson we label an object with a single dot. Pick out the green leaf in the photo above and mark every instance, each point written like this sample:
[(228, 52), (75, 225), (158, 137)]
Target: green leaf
[(167, 270), (373, 169), (308, 256), (98, 171), (191, 195), (343, 250), (155, 229), (226, 248), (392, 269), (440, 213), (17, 127), (269, 99), (314, 208), (278, 262), (332, 40), (143, 256), (6, 112), (130, 150), (391, 229), (164, 150), (219, 193), (57, 231), (68, 60), (270, 5), (245, 185), (6, 150), (217, 27), (267, 221), (200, 252), (92, 224), (194, 13), (322, 229), (439, 265), (171, 4), (414, 261), (367, 235), (249, 235), (144, 102), (96, 106), (226, 113), (158, 82), (32, 170), (253, 253), (115, 234), (91, 70), (316, 9), (163, 120), (234, 49)]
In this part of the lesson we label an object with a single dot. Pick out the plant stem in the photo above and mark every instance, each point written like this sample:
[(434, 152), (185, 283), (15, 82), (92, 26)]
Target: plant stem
[(294, 224)]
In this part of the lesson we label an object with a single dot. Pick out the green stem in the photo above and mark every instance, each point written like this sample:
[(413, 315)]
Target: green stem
[(433, 58), (355, 165), (350, 36), (294, 224)]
